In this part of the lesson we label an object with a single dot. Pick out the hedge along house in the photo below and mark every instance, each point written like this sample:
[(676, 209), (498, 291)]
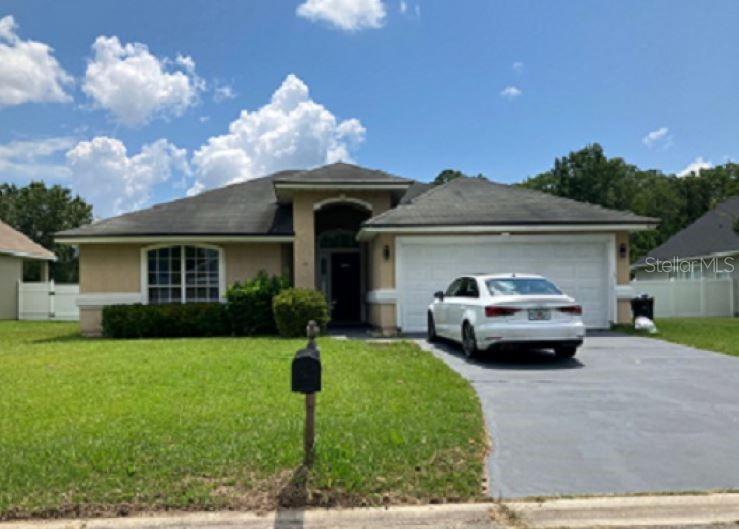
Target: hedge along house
[(375, 244)]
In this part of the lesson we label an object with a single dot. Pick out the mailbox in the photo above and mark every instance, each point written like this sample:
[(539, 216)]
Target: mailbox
[(306, 370)]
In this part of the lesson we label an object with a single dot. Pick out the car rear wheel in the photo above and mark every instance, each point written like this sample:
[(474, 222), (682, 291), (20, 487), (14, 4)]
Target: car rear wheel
[(565, 351), (469, 341), (431, 328)]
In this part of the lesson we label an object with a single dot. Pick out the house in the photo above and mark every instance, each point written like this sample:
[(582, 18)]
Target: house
[(708, 248), (377, 245), (15, 248)]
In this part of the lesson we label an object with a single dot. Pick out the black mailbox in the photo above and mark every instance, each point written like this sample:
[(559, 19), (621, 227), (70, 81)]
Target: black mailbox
[(306, 370)]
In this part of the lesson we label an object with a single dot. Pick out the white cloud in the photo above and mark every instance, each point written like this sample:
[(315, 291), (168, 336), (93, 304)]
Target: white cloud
[(29, 73), (223, 92), (135, 86), (518, 67), (511, 92), (291, 131), (403, 6), (658, 136), (695, 167), (32, 159), (349, 15), (103, 173)]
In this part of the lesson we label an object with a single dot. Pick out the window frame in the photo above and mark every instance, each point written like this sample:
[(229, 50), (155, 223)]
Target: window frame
[(183, 285)]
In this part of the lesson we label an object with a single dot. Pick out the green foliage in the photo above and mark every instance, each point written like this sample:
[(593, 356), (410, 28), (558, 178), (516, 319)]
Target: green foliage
[(165, 321), (39, 212), (248, 312), (295, 307), (104, 427), (250, 304), (447, 175), (588, 175)]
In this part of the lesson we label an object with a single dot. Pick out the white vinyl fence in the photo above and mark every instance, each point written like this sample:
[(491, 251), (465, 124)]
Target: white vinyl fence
[(47, 301), (689, 297)]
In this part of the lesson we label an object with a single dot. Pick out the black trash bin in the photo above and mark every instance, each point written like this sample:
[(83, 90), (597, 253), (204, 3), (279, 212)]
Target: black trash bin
[(643, 305)]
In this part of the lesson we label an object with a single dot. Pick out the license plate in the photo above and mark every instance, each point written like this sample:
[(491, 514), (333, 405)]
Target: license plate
[(539, 314)]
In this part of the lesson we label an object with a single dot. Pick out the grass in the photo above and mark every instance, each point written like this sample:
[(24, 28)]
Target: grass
[(98, 427), (715, 334)]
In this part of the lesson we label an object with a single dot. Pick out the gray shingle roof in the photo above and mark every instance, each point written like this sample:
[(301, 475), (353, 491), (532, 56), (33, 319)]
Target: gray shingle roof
[(246, 208), (712, 233), (251, 208), (477, 201), (341, 173)]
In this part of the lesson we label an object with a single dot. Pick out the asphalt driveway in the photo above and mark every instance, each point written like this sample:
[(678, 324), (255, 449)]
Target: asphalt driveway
[(626, 415)]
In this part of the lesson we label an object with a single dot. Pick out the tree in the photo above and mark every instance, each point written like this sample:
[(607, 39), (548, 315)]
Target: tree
[(589, 175), (39, 212), (447, 175)]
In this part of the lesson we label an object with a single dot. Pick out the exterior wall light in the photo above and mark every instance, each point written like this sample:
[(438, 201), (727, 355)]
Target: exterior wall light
[(623, 250), (386, 252)]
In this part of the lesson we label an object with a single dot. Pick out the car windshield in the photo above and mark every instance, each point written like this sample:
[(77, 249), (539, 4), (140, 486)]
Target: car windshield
[(522, 286)]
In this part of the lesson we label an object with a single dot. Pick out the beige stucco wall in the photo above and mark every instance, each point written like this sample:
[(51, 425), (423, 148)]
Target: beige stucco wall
[(382, 272), (11, 271), (304, 253), (245, 260), (91, 321), (623, 306), (110, 268), (382, 318)]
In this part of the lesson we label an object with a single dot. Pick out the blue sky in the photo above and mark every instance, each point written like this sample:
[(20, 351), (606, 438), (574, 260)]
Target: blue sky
[(500, 88)]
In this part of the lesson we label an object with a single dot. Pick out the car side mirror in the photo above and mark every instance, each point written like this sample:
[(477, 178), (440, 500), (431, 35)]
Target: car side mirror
[(439, 295)]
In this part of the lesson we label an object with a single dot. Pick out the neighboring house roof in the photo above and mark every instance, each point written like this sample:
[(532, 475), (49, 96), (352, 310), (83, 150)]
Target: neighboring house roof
[(713, 233), (477, 201), (252, 208), (13, 242)]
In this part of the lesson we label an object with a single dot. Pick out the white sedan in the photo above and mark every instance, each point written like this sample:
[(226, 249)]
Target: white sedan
[(490, 311)]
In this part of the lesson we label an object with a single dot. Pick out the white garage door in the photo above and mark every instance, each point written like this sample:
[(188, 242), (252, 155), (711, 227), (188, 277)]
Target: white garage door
[(581, 265)]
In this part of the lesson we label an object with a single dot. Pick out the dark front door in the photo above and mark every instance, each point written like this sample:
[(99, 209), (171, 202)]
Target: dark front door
[(345, 287)]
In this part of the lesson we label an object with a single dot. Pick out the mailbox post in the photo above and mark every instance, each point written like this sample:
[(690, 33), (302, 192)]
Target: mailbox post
[(306, 379)]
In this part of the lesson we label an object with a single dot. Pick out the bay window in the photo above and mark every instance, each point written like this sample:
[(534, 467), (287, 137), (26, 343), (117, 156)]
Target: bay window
[(183, 274)]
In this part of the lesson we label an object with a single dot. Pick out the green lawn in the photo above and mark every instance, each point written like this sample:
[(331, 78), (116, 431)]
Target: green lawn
[(715, 334), (104, 426)]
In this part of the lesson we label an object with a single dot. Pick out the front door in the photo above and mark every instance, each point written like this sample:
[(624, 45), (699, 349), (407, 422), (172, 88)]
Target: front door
[(345, 288)]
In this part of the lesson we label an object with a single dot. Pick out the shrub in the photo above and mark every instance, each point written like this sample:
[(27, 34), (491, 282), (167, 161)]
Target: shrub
[(250, 304), (295, 307), (165, 321)]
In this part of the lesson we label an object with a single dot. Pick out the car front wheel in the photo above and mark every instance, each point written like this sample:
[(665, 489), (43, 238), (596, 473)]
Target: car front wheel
[(431, 328), (469, 341), (565, 351)]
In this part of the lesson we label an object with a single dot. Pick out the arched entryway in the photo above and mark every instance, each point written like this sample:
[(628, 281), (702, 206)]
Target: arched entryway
[(341, 259)]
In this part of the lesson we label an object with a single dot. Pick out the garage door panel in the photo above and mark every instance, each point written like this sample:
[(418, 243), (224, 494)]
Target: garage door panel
[(579, 268)]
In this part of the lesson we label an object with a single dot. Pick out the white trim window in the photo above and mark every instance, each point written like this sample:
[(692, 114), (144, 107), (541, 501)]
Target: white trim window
[(182, 274)]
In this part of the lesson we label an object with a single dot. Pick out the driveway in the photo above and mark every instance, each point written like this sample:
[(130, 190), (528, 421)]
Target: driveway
[(626, 415)]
